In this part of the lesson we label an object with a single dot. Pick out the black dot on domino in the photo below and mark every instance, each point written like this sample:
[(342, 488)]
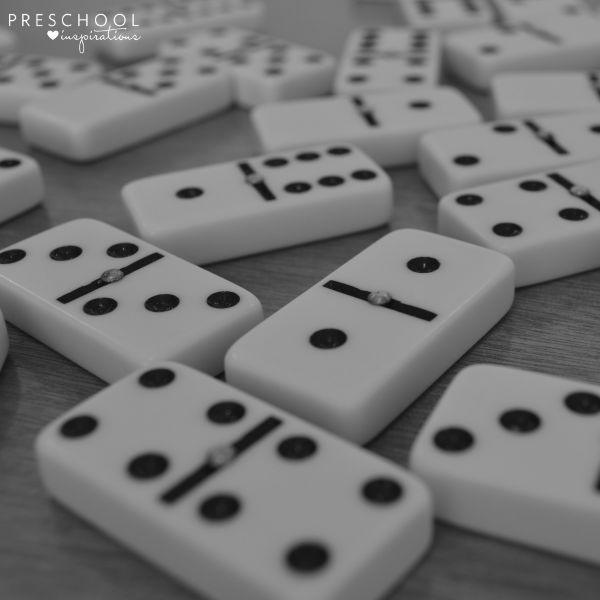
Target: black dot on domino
[(364, 175), (382, 491), (466, 160), (420, 104), (297, 448), (520, 421), (226, 412), (583, 403), (413, 78), (122, 250), (99, 306), (327, 339), (189, 193), (156, 378), (507, 229), (533, 186), (331, 181), (307, 557), (65, 253), (275, 162), (297, 187), (161, 303), (338, 151), (12, 256), (80, 426), (147, 466), (453, 439), (423, 264), (357, 78), (595, 128), (220, 507), (308, 156), (469, 199), (223, 300), (489, 49), (504, 128), (573, 214)]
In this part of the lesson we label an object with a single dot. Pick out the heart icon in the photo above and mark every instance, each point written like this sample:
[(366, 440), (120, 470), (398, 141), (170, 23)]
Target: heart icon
[(52, 34)]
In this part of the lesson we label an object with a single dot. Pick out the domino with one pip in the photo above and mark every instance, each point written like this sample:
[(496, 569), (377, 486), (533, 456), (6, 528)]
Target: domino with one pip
[(21, 183), (546, 43), (219, 212), (113, 303), (462, 158), (233, 496), (530, 94), (24, 78), (125, 107), (386, 126), (355, 350), (514, 454), (388, 58)]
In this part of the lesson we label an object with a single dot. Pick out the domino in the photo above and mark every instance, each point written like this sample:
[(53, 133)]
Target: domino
[(541, 93), (517, 10), (258, 204), (548, 224), (544, 43), (158, 307), (263, 69), (232, 496), (446, 15), (514, 454), (24, 78), (21, 184), (463, 158), (356, 349), (388, 58), (126, 107), (386, 126), (8, 40), (161, 19)]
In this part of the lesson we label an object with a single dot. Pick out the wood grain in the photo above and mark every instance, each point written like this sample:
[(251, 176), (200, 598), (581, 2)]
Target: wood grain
[(47, 552)]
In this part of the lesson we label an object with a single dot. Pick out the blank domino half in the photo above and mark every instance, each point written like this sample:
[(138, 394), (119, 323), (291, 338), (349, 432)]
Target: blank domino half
[(531, 94)]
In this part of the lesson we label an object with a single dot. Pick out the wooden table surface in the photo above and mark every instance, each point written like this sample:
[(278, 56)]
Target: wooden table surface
[(46, 552)]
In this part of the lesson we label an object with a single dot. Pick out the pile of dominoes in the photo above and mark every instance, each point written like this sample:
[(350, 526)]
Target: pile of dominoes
[(258, 488)]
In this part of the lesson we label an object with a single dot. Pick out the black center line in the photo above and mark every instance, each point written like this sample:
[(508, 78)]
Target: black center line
[(99, 283), (407, 309), (212, 466)]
